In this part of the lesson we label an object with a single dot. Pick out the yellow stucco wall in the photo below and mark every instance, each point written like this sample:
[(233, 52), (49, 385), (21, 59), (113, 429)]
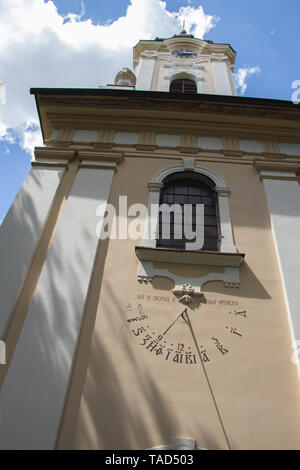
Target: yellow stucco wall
[(125, 394)]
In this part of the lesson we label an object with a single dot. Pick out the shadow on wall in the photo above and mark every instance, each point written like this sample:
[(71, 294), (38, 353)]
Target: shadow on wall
[(18, 235), (33, 393), (110, 420), (50, 340), (250, 285)]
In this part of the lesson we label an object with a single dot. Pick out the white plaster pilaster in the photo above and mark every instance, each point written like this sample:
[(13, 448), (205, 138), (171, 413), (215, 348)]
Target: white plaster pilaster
[(145, 72), (223, 84), (20, 231), (33, 393), (226, 242), (283, 198), (152, 219)]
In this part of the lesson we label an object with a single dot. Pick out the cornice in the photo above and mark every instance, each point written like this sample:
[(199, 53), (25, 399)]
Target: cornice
[(188, 150), (168, 103), (243, 119), (233, 153), (167, 45), (170, 255), (278, 170), (263, 165), (59, 152), (86, 157)]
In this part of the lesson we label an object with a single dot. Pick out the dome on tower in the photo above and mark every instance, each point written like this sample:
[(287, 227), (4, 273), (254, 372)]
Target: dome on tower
[(125, 78)]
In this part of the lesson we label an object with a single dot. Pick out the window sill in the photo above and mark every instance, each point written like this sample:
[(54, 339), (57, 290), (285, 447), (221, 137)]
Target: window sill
[(172, 255)]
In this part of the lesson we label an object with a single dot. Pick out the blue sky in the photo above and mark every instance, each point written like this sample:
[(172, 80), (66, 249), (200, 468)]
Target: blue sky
[(42, 46)]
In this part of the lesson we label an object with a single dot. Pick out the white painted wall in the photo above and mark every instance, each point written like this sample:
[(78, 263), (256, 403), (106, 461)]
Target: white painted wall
[(129, 138), (284, 205), (33, 394), (223, 84), (211, 143), (54, 134), (144, 74), (200, 86), (251, 146), (19, 233), (85, 136), (290, 149), (166, 140)]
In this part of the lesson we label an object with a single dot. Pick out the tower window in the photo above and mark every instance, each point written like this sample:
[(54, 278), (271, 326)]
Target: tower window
[(183, 85), (191, 189)]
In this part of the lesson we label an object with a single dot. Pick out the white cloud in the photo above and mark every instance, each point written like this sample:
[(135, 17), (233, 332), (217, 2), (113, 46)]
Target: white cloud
[(31, 137), (41, 48), (241, 76)]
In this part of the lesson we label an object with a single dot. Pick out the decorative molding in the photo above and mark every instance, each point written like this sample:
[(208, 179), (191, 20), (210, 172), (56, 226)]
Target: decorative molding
[(224, 192), (146, 147), (187, 291), (259, 119), (147, 138), (263, 165), (172, 255), (48, 164), (277, 170), (271, 147), (147, 272), (219, 57), (189, 163), (103, 146), (230, 144), (162, 174), (276, 175), (149, 54), (53, 155), (232, 153), (188, 149), (98, 165), (59, 143), (67, 144), (274, 156), (154, 186)]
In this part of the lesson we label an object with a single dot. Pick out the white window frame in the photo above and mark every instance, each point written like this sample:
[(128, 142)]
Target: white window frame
[(190, 71), (227, 244)]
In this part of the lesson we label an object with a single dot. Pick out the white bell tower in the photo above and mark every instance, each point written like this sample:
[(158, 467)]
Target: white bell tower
[(158, 62)]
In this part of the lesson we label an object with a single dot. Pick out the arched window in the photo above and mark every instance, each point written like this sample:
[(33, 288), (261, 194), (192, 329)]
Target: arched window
[(189, 184), (187, 190), (183, 85)]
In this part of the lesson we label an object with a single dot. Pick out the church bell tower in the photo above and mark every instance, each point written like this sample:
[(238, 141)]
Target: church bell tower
[(206, 67)]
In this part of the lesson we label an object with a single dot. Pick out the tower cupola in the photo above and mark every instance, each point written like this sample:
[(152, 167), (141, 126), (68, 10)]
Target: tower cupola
[(209, 66)]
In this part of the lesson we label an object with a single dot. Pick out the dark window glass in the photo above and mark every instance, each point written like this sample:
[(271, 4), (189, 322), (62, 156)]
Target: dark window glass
[(183, 85), (193, 189)]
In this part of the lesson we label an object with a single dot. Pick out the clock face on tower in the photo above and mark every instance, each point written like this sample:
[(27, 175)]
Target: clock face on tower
[(184, 53), (186, 334)]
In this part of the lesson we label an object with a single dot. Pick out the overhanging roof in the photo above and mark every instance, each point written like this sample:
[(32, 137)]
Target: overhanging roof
[(89, 108)]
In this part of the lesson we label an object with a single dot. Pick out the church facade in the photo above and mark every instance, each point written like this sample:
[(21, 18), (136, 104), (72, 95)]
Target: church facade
[(145, 338)]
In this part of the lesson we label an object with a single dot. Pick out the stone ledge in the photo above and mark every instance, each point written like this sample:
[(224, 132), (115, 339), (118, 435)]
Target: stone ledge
[(172, 255)]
